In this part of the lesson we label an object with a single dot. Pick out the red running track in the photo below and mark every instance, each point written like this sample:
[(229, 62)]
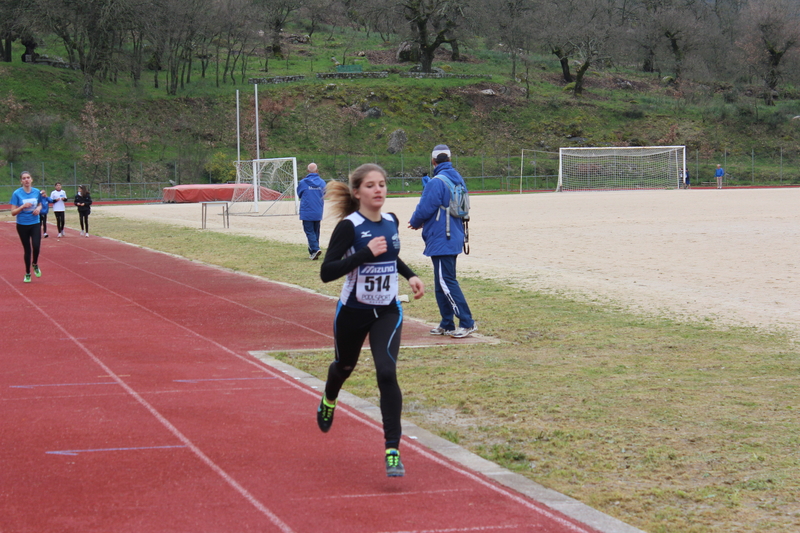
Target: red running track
[(130, 403)]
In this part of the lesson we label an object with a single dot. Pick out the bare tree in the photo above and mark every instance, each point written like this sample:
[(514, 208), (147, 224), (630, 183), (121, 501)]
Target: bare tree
[(508, 22), (234, 31), (88, 29), (575, 29), (273, 14), (98, 149), (12, 25), (770, 31), (433, 23), (172, 29)]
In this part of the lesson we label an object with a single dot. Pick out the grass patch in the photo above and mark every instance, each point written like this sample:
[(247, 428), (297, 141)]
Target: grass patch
[(669, 426)]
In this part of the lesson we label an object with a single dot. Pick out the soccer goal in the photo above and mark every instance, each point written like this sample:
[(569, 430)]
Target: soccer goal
[(265, 187), (641, 167)]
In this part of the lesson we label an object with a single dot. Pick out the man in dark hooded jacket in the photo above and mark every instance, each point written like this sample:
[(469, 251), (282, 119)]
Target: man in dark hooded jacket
[(431, 215)]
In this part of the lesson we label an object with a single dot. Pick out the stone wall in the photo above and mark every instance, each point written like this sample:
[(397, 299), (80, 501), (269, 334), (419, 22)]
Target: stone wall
[(350, 75), (440, 75), (362, 75), (276, 79)]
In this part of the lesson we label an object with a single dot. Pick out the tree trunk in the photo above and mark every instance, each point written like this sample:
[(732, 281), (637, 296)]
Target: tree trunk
[(677, 53), (6, 49), (565, 69), (579, 77), (773, 74), (88, 85), (648, 65), (426, 58), (456, 53)]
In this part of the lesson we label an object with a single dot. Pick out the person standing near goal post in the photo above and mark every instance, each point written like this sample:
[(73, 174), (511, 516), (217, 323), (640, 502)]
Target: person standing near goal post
[(445, 238), (720, 175), (311, 191), (365, 247)]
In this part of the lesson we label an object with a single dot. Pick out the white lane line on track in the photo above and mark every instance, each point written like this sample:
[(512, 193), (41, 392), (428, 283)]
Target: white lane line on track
[(467, 529), (218, 379), (98, 450), (61, 385), (153, 411), (385, 494)]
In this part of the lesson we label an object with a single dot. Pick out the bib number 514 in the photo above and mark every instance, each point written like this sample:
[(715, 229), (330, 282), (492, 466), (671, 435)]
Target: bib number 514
[(376, 283)]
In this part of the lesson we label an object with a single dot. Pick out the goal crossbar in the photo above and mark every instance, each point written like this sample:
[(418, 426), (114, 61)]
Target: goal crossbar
[(621, 168)]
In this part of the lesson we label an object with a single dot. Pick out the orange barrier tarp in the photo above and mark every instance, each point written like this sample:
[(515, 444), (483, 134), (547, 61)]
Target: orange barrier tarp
[(222, 192)]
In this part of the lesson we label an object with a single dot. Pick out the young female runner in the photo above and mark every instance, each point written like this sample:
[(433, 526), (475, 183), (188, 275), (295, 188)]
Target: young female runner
[(26, 205), (364, 247), (83, 201)]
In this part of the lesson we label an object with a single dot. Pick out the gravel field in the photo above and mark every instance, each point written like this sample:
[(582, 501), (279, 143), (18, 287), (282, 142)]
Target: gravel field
[(728, 255)]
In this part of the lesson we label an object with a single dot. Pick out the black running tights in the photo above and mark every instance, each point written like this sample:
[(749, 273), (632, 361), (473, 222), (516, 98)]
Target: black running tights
[(84, 218), (31, 237), (384, 326), (59, 220)]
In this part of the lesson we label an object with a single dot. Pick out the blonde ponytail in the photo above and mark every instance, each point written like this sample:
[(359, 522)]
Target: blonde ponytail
[(340, 195)]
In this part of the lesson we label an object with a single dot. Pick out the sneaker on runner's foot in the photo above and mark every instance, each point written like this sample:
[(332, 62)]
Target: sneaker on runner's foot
[(325, 414), (394, 466), (440, 331), (27, 278), (37, 271), (460, 333)]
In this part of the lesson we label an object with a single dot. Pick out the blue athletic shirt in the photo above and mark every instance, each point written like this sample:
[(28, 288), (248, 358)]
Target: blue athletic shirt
[(370, 281), (26, 216)]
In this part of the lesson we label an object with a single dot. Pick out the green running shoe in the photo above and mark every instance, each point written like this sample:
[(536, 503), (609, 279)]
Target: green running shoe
[(27, 278), (325, 414), (394, 466), (37, 271)]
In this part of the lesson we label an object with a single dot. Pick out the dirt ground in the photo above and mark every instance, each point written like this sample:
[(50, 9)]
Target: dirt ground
[(730, 256)]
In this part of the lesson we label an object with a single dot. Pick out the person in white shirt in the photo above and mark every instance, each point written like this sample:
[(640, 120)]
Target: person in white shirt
[(57, 198)]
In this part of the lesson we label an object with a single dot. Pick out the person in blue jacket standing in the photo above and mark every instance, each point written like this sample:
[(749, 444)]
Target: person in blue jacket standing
[(311, 191), (720, 175), (431, 215)]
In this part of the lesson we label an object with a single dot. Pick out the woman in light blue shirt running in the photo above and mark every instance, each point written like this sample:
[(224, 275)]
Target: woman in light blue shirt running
[(26, 206)]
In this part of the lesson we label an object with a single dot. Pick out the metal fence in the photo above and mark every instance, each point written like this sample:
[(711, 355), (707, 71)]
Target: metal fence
[(538, 170)]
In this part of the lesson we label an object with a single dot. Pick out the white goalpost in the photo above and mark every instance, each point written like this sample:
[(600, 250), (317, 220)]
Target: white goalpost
[(265, 187), (616, 168)]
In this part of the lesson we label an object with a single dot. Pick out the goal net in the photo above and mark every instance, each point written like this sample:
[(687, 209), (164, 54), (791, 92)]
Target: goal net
[(265, 187), (642, 167)]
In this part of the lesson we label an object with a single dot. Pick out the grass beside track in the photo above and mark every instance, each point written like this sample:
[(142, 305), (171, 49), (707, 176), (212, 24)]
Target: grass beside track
[(668, 426)]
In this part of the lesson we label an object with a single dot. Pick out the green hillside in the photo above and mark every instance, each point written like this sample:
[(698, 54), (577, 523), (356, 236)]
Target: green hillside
[(133, 133)]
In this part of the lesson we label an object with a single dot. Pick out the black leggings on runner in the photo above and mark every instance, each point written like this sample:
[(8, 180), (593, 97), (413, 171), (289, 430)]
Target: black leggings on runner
[(31, 237), (384, 326), (43, 221), (59, 220), (84, 218)]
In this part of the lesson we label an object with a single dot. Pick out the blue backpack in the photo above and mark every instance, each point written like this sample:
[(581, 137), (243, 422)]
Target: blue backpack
[(459, 206)]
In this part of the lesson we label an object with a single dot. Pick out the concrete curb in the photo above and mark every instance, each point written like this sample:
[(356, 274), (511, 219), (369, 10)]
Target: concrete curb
[(554, 500)]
